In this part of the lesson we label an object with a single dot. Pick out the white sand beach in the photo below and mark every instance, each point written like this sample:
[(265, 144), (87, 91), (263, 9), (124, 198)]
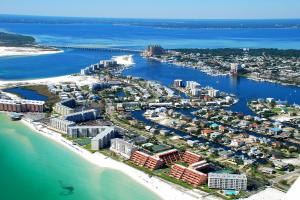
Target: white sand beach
[(78, 79), (268, 194), (166, 191), (126, 60), (26, 51)]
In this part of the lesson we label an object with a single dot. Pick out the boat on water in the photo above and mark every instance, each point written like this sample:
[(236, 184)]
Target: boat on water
[(15, 116)]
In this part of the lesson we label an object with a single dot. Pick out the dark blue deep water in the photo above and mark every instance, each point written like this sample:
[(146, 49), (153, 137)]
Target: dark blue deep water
[(137, 34)]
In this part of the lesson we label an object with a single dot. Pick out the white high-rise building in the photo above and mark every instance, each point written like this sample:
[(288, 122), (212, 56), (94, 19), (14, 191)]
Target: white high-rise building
[(122, 147), (192, 85), (227, 181), (196, 92), (60, 124), (213, 93), (178, 83), (103, 138)]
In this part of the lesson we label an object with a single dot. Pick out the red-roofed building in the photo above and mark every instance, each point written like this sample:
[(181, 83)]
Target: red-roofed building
[(190, 157), (145, 160), (207, 132), (169, 156), (188, 175)]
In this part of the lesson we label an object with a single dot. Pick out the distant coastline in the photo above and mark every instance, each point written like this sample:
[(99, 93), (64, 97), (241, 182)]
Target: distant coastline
[(21, 45)]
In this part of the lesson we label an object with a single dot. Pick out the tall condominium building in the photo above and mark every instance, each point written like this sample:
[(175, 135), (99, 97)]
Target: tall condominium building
[(21, 105), (213, 93), (103, 138), (169, 156), (145, 160), (178, 83), (63, 110), (188, 175), (108, 63), (122, 147), (190, 157), (82, 116), (196, 92), (60, 124), (71, 103), (84, 131), (227, 181), (199, 165), (235, 69), (192, 85), (154, 50)]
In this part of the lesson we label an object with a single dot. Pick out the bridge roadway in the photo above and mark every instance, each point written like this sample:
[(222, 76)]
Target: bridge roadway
[(97, 49)]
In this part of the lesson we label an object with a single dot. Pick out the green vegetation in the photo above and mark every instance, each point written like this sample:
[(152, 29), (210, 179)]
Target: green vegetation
[(43, 90), (239, 52), (161, 173), (15, 40)]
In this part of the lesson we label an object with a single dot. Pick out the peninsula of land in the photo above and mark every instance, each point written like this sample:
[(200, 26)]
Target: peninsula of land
[(20, 45), (272, 65)]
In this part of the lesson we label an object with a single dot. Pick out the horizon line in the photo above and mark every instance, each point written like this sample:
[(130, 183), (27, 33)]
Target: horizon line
[(143, 18)]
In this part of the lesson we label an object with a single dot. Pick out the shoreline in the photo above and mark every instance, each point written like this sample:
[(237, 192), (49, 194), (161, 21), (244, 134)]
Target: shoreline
[(26, 51), (72, 78), (163, 189), (126, 60), (217, 74)]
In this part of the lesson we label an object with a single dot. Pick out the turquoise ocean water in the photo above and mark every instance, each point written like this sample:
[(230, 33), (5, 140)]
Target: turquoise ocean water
[(33, 167)]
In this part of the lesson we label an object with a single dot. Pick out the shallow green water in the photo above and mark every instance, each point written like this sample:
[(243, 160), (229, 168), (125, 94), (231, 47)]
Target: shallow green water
[(33, 167)]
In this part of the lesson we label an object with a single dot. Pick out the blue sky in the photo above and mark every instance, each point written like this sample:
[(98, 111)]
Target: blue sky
[(186, 9)]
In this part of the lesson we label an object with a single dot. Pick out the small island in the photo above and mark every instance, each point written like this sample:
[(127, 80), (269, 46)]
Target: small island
[(21, 45)]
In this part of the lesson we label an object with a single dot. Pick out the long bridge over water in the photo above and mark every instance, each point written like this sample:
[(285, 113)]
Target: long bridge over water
[(97, 49)]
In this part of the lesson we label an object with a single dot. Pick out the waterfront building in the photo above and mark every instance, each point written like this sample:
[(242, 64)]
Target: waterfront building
[(196, 92), (145, 160), (235, 69), (21, 105), (60, 124), (82, 116), (154, 50), (190, 157), (192, 85), (227, 181), (84, 131), (169, 156), (108, 63), (178, 83), (91, 69), (213, 93), (106, 133), (199, 165), (86, 71), (122, 147), (188, 175), (65, 107)]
